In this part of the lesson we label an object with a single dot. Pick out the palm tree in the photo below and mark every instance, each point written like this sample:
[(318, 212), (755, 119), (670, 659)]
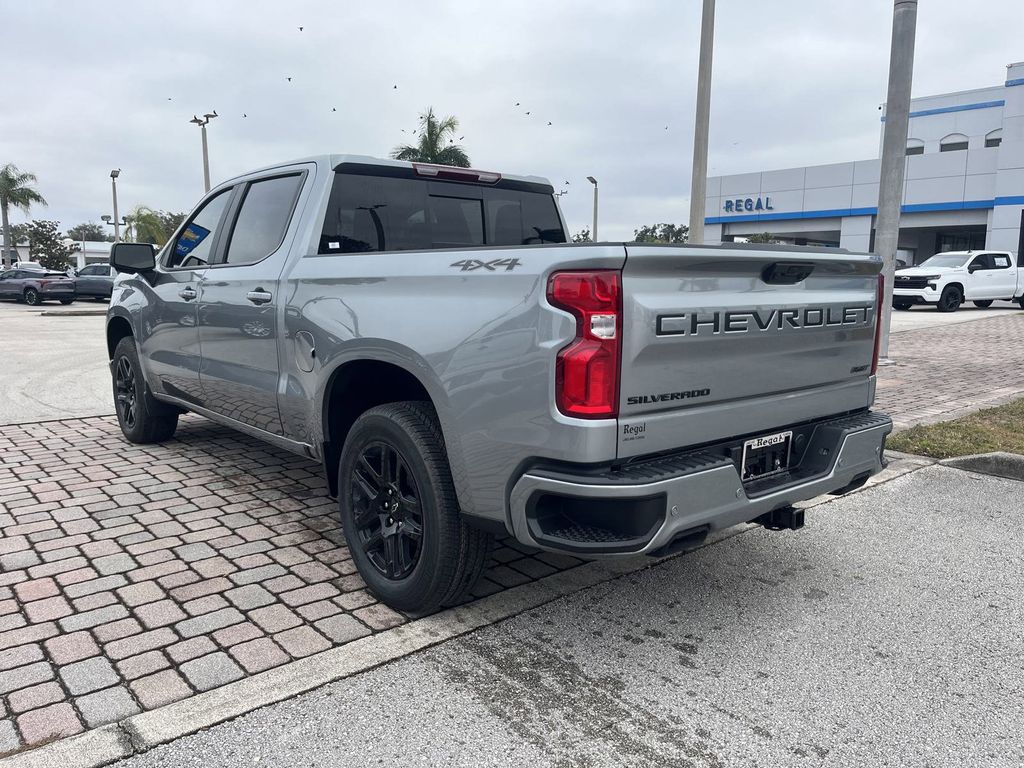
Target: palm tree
[(15, 190), (436, 144), (147, 226)]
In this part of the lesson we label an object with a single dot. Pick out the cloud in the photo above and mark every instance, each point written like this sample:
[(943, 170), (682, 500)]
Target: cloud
[(795, 83)]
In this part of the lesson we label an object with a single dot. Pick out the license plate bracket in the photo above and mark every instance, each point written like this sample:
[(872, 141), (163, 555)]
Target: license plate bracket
[(765, 456)]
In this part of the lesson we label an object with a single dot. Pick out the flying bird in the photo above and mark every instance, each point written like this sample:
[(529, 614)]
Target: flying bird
[(301, 28), (461, 138), (517, 103), (334, 109), (168, 98), (549, 122), (527, 113), (288, 79), (244, 115), (395, 88), (566, 183)]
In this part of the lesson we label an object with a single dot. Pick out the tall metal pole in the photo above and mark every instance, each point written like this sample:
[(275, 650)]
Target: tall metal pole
[(117, 226), (894, 152), (699, 179), (206, 161)]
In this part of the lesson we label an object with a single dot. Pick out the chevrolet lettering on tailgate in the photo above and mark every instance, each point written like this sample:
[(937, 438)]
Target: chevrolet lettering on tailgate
[(748, 320)]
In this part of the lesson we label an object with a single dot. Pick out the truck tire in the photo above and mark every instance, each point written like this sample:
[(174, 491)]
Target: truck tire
[(983, 304), (902, 305), (142, 417), (31, 297), (65, 302), (950, 300), (400, 512), (1020, 302)]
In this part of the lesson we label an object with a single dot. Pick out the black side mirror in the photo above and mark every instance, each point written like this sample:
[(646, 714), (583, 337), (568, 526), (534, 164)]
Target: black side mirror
[(133, 257), (973, 268)]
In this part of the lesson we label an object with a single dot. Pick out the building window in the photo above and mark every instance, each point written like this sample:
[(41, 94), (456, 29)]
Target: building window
[(953, 143), (918, 150), (995, 138)]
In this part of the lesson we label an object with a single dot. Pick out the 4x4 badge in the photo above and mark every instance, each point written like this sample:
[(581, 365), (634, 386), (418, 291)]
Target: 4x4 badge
[(469, 265)]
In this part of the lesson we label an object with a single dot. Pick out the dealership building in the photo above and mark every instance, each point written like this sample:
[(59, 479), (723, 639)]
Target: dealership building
[(963, 186)]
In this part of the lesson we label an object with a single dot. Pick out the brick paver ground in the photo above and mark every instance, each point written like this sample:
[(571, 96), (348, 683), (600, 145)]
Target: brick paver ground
[(135, 576), (945, 372)]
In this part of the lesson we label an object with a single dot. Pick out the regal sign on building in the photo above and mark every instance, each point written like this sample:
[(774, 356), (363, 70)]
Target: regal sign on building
[(741, 204)]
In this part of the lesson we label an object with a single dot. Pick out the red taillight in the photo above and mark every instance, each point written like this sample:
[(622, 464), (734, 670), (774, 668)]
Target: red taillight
[(878, 323), (587, 373)]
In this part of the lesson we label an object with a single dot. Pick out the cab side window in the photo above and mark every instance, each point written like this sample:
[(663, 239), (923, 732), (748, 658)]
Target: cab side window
[(263, 219), (1001, 261), (982, 261), (194, 246)]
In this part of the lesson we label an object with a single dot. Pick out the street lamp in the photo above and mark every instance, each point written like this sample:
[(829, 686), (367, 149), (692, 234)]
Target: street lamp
[(593, 232), (201, 122), (113, 186)]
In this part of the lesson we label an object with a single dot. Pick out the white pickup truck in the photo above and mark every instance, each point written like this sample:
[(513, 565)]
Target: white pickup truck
[(947, 280)]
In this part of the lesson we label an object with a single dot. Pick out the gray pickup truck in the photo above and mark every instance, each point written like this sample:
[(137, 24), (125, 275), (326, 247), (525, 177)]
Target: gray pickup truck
[(462, 372)]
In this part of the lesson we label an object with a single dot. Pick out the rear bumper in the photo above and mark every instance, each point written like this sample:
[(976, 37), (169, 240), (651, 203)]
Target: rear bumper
[(57, 291), (650, 506)]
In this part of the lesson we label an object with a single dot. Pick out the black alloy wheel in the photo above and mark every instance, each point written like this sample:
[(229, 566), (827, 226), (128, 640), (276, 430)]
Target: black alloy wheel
[(950, 299), (32, 297), (387, 511), (983, 304), (125, 392), (400, 513)]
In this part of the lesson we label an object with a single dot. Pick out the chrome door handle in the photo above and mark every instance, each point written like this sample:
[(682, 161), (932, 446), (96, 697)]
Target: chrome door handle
[(259, 296), (188, 293)]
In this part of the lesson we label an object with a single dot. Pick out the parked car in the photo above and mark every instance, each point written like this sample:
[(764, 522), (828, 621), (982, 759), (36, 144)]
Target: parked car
[(460, 370), (948, 279), (95, 281), (34, 286)]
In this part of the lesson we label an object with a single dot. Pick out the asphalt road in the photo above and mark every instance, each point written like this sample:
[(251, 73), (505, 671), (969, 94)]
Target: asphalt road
[(886, 633), (53, 367)]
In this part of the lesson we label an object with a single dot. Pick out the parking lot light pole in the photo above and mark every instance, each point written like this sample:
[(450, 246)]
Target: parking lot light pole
[(593, 233), (113, 186), (201, 122)]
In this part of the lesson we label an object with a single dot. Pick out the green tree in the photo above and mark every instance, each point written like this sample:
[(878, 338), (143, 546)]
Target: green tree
[(88, 230), (436, 144), (46, 245), (16, 191), (662, 233), (583, 236), (171, 221), (145, 226), (763, 237)]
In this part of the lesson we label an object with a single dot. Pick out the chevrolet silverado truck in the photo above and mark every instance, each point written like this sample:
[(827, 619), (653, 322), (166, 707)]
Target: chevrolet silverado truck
[(947, 280), (461, 372)]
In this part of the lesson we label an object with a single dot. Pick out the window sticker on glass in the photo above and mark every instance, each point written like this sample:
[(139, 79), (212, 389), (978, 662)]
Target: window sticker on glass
[(190, 238)]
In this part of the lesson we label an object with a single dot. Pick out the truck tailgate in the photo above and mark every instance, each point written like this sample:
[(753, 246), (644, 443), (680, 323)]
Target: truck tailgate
[(723, 341)]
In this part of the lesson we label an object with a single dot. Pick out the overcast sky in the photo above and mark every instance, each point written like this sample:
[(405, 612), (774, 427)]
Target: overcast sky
[(92, 86)]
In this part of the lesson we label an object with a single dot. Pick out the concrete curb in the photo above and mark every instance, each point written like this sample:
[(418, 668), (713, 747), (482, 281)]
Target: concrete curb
[(999, 464), (139, 733), (73, 312)]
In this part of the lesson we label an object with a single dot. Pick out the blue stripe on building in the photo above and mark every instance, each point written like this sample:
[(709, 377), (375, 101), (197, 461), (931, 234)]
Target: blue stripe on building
[(960, 107)]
